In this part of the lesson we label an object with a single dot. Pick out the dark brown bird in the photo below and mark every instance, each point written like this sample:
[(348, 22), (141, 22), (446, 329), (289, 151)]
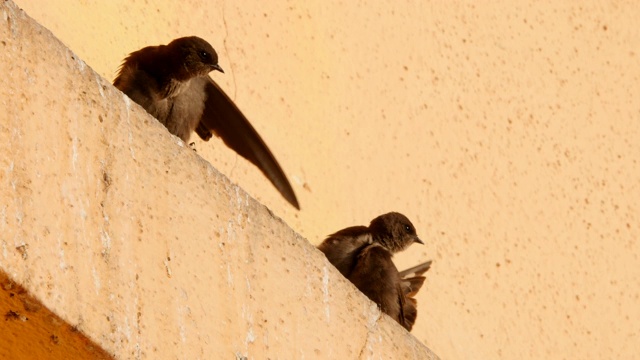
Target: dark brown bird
[(172, 83), (363, 255)]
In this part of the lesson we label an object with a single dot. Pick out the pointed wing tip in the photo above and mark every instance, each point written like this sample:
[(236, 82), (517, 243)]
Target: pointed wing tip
[(279, 180), (291, 198), (424, 267)]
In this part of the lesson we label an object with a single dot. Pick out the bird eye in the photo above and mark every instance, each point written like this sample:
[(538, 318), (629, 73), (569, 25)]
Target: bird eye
[(204, 55), (407, 228)]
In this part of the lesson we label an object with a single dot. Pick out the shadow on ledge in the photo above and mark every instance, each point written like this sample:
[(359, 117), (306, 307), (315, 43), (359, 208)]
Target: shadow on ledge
[(31, 331)]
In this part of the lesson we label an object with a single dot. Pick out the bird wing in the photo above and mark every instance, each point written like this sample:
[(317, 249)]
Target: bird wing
[(223, 118), (408, 311), (342, 248), (410, 283), (412, 279), (417, 270), (411, 286), (377, 277)]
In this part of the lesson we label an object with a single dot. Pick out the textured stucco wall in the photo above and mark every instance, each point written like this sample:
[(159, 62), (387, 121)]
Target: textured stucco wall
[(133, 239), (509, 132)]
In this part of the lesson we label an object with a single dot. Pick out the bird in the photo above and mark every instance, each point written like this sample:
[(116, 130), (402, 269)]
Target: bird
[(363, 255), (172, 83)]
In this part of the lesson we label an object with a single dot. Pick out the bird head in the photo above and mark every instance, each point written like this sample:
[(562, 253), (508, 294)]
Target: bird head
[(197, 56), (394, 231)]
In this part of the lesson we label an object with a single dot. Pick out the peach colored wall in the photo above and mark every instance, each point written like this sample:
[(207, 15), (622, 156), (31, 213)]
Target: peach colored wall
[(509, 132)]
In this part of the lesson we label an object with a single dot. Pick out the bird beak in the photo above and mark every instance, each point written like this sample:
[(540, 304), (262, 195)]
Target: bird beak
[(217, 67), (418, 240)]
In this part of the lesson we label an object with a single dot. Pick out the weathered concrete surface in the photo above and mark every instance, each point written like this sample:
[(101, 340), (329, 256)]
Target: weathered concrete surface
[(134, 240)]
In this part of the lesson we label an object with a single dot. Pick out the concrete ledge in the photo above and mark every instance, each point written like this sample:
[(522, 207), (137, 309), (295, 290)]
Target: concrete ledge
[(133, 239)]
